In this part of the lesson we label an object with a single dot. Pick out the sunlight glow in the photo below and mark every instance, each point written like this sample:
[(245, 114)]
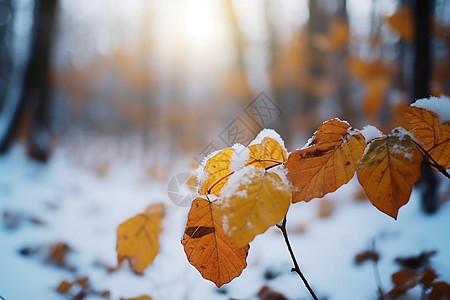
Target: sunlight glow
[(199, 22)]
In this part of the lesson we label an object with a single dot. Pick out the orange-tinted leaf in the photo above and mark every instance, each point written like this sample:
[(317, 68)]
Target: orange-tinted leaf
[(433, 135), (253, 201), (57, 255), (326, 208), (368, 70), (428, 276), (83, 282), (216, 170), (266, 154), (266, 293), (402, 22), (368, 255), (63, 287), (137, 238), (327, 162), (208, 248), (403, 280), (374, 96), (388, 171), (440, 290)]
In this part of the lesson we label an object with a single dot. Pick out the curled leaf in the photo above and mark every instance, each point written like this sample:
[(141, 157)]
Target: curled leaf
[(137, 238), (388, 171), (327, 162), (208, 248)]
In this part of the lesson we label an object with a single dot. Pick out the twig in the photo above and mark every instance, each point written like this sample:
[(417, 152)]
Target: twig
[(433, 162), (376, 274), (294, 260)]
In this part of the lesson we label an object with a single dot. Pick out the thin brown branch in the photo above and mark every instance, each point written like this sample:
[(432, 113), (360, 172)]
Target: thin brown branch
[(433, 161), (294, 260)]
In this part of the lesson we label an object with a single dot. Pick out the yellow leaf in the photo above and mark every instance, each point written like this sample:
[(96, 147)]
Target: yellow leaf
[(266, 154), (432, 135), (328, 161), (402, 22), (208, 248), (254, 201), (137, 238), (388, 171), (216, 170)]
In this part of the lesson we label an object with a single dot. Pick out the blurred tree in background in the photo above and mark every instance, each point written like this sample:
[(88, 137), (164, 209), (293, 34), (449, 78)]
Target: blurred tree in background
[(162, 79)]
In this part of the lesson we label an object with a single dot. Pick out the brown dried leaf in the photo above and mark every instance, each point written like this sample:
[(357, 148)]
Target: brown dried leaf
[(368, 255), (57, 255), (64, 287), (403, 281), (388, 171), (433, 135), (266, 293), (208, 248), (416, 262), (327, 162), (326, 208), (440, 291)]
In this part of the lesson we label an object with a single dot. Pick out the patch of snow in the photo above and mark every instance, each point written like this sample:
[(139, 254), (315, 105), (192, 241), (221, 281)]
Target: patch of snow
[(268, 133), (200, 172), (84, 210), (371, 132), (439, 105), (238, 178), (282, 172), (239, 157)]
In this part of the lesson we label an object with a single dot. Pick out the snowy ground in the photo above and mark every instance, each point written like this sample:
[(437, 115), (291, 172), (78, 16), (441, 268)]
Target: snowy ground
[(83, 210)]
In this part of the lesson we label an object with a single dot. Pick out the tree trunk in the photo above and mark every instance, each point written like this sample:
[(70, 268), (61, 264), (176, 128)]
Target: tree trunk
[(421, 86), (31, 100)]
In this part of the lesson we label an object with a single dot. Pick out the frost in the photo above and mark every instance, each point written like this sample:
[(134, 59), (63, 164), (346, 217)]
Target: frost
[(200, 172), (238, 178), (282, 172), (308, 142), (242, 194), (409, 156), (268, 133), (240, 157), (401, 133), (371, 132), (439, 105)]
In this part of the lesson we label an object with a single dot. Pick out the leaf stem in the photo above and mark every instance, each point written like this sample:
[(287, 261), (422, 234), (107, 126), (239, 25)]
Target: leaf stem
[(294, 260), (433, 162)]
